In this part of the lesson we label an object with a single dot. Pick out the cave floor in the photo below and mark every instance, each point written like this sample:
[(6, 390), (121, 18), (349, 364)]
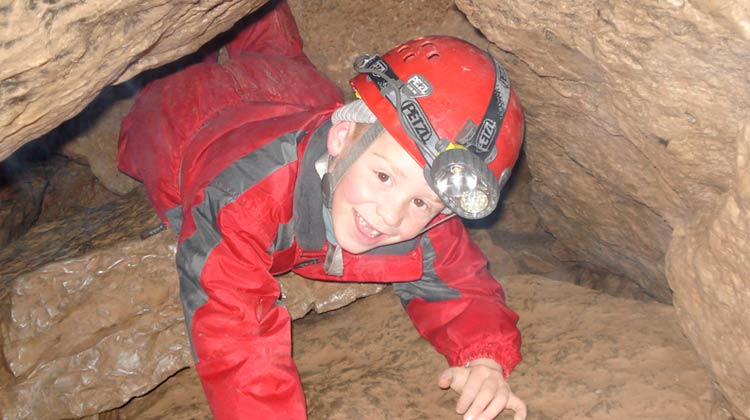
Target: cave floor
[(587, 355)]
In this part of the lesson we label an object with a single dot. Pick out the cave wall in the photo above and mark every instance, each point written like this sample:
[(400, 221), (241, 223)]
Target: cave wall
[(708, 264), (632, 115), (634, 111), (57, 55)]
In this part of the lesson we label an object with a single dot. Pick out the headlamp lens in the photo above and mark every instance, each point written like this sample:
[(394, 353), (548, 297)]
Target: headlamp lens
[(464, 183), (474, 201)]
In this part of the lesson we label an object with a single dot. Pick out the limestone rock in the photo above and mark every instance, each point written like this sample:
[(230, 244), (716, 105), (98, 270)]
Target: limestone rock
[(632, 111), (301, 295), (107, 226), (91, 332), (67, 333), (338, 31), (73, 189), (96, 145), (587, 356), (707, 266), (20, 204), (60, 54)]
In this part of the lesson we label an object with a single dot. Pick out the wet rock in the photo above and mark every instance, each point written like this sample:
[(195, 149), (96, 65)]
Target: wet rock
[(67, 331), (632, 112), (109, 225), (707, 266), (43, 191), (62, 53), (301, 295), (91, 332)]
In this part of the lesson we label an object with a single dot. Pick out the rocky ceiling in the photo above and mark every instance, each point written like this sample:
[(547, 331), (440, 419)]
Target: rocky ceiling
[(637, 138)]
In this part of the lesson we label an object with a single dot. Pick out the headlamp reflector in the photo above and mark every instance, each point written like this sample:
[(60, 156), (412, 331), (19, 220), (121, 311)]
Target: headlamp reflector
[(455, 179)]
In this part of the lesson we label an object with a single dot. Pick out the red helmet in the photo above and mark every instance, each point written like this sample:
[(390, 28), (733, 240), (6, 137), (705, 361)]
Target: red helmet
[(450, 105)]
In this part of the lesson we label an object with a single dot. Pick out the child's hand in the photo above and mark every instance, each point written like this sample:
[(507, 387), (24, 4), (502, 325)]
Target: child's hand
[(484, 392)]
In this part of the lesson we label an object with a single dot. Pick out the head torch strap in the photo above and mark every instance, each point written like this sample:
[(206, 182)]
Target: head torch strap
[(482, 141), (402, 96)]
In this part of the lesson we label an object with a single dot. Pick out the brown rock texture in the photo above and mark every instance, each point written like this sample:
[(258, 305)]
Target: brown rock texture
[(632, 110), (587, 356), (337, 31), (91, 332), (96, 145), (708, 266), (20, 204), (55, 56)]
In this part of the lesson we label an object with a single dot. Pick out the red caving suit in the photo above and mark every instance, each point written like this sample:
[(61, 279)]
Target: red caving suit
[(226, 153)]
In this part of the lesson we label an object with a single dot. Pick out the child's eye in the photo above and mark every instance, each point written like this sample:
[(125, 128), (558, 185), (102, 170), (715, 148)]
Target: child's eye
[(383, 177), (420, 203)]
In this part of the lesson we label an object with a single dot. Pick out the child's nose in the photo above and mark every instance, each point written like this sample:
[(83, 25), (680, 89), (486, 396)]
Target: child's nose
[(391, 211)]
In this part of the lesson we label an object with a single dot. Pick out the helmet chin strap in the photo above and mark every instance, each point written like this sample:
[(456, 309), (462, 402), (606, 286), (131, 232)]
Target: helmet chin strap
[(331, 179)]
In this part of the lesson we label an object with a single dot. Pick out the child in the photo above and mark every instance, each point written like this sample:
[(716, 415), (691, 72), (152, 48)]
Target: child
[(261, 170)]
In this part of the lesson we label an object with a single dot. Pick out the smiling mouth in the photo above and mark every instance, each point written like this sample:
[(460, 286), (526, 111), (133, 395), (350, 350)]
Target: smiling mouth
[(365, 227)]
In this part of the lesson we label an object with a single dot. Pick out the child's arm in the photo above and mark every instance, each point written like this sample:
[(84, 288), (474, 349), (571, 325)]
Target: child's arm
[(460, 308), (239, 333), (457, 305)]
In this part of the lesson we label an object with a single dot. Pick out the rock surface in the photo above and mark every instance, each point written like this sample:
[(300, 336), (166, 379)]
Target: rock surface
[(632, 111), (708, 265), (60, 54), (96, 145), (20, 204), (587, 356)]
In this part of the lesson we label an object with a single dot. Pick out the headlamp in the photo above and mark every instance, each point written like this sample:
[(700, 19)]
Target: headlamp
[(464, 183)]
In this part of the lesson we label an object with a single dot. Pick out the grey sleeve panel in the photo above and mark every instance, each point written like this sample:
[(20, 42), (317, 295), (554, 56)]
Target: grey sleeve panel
[(174, 215), (234, 181), (284, 237), (430, 287)]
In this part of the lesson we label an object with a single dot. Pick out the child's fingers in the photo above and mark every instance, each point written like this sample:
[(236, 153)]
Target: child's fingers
[(445, 379), (470, 390), (517, 405), (497, 406), (453, 378), (486, 401)]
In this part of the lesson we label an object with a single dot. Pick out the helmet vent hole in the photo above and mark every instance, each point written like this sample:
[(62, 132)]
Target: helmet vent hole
[(409, 56), (432, 55), (402, 49), (428, 44)]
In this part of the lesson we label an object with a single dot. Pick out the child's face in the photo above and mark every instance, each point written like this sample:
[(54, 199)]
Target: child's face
[(382, 199)]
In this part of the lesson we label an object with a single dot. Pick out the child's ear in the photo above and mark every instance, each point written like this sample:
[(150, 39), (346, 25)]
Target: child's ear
[(339, 136)]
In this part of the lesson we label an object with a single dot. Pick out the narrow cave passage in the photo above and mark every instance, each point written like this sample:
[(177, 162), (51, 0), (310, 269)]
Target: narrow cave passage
[(75, 347)]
